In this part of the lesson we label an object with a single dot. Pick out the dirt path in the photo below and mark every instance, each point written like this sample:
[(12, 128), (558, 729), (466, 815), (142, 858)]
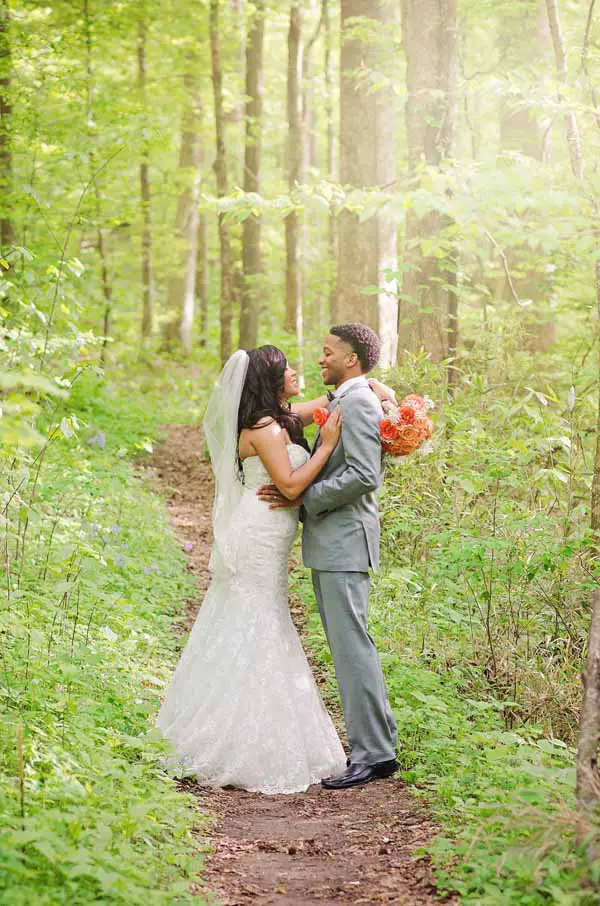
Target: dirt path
[(322, 846)]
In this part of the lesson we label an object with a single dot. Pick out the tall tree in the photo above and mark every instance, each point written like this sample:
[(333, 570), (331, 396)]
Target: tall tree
[(571, 127), (295, 163), (227, 289), (251, 262), (331, 158), (202, 257), (427, 317), (7, 232), (146, 200), (309, 119), (179, 324), (107, 290), (525, 48), (366, 248)]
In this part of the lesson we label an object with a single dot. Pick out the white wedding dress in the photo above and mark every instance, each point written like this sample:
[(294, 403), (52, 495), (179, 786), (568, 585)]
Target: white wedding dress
[(243, 708)]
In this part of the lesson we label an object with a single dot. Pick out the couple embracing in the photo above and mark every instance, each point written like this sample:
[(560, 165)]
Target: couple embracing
[(243, 708)]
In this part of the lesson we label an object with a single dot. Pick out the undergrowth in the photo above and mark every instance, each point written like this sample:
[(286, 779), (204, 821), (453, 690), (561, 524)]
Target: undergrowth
[(94, 583), (480, 613)]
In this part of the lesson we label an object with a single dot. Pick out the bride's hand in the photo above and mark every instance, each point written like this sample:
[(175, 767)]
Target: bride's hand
[(382, 391), (331, 430)]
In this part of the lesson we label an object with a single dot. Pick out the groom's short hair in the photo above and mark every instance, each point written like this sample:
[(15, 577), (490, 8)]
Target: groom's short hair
[(364, 342)]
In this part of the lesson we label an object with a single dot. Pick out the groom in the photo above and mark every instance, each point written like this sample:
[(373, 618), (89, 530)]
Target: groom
[(340, 543)]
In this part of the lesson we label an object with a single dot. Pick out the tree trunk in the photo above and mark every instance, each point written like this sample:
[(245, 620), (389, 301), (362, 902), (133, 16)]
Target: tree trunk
[(367, 159), (226, 304), (572, 131), (588, 743), (331, 165), (202, 260), (309, 120), (7, 232), (588, 776), (146, 200), (186, 223), (293, 283), (104, 271), (524, 42), (251, 262), (427, 317), (525, 45), (189, 281)]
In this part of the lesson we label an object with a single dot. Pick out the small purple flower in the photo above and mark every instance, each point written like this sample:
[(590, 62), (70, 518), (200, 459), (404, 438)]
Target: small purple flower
[(188, 546), (98, 440), (147, 570), (116, 528), (155, 567), (120, 560)]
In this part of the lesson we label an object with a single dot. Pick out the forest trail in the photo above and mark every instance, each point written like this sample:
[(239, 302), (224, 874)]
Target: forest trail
[(322, 846)]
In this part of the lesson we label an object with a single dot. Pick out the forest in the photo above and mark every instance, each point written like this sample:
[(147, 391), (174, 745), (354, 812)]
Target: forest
[(182, 179)]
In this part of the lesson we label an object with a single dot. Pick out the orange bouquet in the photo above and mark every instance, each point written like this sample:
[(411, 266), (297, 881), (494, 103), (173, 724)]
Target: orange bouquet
[(407, 427)]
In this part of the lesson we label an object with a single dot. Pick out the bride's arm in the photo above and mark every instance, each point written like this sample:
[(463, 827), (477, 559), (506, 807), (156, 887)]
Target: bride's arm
[(269, 443), (306, 409)]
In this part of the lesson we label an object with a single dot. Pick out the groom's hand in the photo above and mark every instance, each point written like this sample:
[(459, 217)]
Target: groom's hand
[(273, 496)]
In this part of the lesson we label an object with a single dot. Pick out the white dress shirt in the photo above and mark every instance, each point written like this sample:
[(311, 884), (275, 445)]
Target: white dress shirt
[(343, 388)]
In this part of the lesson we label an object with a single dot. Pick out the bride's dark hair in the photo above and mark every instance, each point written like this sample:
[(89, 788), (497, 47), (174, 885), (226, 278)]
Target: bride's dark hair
[(261, 395)]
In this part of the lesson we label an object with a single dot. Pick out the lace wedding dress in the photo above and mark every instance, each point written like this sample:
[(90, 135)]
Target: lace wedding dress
[(243, 708)]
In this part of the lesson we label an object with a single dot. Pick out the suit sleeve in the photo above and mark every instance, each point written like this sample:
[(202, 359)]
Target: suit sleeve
[(362, 449)]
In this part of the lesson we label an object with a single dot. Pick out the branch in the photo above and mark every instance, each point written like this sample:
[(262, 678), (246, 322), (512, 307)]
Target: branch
[(507, 273)]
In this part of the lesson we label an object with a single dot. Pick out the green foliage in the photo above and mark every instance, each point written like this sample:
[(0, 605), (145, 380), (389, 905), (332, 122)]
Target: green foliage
[(92, 584), (480, 613)]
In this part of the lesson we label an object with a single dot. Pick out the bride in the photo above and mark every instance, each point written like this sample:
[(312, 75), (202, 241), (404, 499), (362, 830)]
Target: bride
[(243, 708)]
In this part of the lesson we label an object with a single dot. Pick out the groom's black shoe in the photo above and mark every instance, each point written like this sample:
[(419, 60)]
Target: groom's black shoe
[(358, 774)]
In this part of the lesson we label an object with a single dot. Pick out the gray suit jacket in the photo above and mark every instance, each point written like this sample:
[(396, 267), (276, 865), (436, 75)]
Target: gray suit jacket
[(341, 515)]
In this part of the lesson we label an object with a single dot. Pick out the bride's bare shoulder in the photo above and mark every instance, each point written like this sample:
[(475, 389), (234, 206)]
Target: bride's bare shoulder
[(265, 430)]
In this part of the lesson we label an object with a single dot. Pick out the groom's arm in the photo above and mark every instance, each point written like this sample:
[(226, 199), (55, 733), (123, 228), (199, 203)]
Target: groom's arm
[(362, 449)]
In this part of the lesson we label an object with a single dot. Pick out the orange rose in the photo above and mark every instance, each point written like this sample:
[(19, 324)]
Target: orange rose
[(320, 416), (388, 430), (411, 436), (407, 415)]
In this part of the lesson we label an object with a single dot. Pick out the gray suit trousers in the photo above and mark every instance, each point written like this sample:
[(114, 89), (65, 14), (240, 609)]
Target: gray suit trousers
[(343, 599)]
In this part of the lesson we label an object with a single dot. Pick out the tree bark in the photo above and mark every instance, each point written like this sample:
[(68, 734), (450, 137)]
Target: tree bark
[(588, 743), (427, 317), (588, 776), (189, 280), (7, 231), (186, 223), (226, 304), (202, 260), (367, 159), (524, 42), (572, 131), (251, 261), (309, 119), (107, 290), (525, 46), (146, 199), (331, 162), (295, 148)]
